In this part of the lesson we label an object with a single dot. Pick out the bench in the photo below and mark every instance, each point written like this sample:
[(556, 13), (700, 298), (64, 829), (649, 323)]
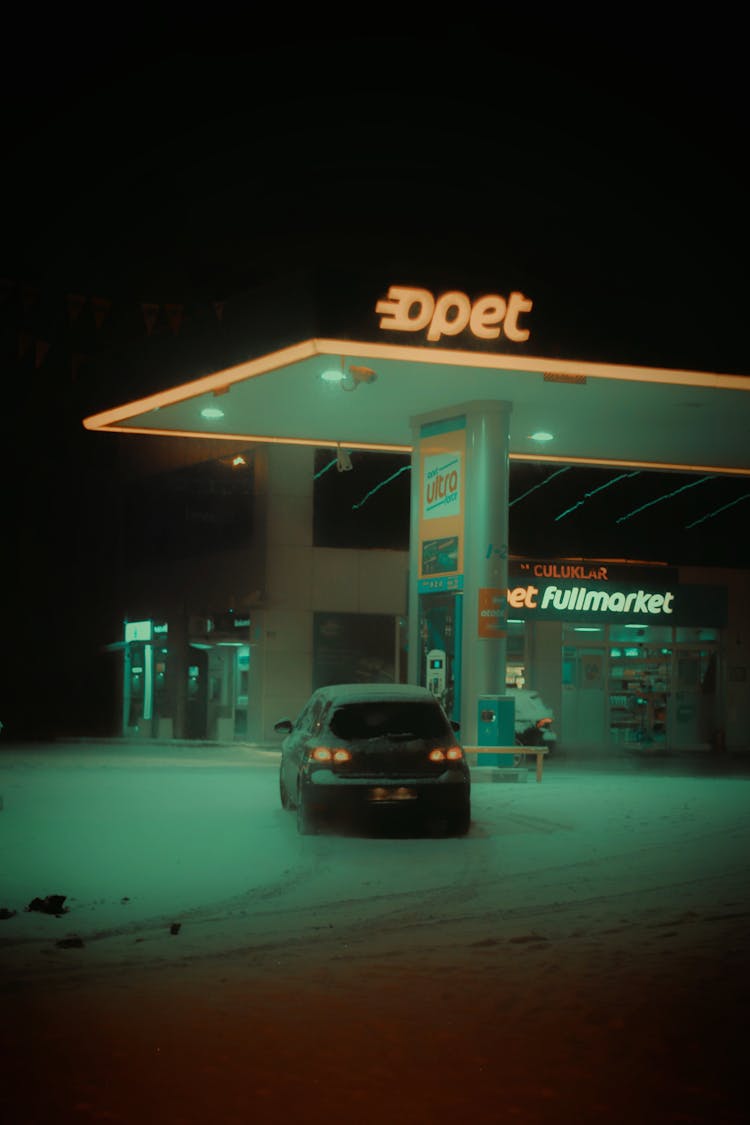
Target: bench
[(537, 751)]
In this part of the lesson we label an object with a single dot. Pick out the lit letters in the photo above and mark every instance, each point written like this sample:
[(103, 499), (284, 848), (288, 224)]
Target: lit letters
[(579, 599), (407, 309)]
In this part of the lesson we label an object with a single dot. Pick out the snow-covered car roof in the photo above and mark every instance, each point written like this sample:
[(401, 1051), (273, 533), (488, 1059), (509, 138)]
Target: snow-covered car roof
[(356, 693)]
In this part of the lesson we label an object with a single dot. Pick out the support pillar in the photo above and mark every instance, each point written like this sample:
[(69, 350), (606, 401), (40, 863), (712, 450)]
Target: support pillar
[(476, 437), (485, 558)]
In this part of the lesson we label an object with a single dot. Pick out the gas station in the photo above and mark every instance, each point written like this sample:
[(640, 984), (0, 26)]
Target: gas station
[(465, 382)]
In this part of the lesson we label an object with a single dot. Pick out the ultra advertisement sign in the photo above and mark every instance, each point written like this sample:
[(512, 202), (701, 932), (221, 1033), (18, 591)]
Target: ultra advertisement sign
[(442, 450)]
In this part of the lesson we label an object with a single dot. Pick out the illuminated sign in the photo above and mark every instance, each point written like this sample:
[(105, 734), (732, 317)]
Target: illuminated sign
[(442, 451), (493, 613), (570, 570), (579, 599), (442, 486), (410, 310), (139, 631)]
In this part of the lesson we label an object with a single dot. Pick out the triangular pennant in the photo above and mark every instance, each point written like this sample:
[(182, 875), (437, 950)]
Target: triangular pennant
[(150, 315), (102, 305), (174, 316), (25, 340), (75, 305), (41, 347), (75, 364)]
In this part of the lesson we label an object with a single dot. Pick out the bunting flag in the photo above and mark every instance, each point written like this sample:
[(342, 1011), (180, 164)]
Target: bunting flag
[(41, 347), (29, 296), (174, 316), (75, 306), (101, 306), (25, 340), (150, 315), (76, 360), (32, 300)]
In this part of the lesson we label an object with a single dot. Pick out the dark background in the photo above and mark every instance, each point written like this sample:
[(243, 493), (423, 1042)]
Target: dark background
[(157, 161)]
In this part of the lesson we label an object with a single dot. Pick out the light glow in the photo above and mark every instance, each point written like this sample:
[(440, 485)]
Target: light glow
[(326, 754), (452, 754)]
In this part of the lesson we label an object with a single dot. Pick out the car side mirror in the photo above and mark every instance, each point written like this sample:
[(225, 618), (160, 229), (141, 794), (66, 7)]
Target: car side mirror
[(283, 726)]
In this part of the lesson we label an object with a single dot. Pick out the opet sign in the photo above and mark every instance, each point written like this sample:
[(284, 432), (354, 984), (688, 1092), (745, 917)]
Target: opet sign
[(407, 309)]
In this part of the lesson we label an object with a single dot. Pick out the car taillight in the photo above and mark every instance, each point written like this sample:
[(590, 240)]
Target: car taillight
[(326, 754), (451, 754)]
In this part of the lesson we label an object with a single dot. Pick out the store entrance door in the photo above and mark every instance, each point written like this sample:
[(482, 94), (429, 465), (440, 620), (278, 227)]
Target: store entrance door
[(197, 694), (693, 721), (583, 725)]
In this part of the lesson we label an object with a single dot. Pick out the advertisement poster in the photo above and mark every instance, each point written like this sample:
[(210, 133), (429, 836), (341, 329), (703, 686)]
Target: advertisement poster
[(442, 505)]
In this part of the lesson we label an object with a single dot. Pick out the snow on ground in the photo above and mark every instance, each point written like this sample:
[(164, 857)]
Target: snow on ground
[(582, 954)]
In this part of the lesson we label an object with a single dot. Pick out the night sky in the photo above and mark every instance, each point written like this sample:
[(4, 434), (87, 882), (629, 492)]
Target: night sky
[(157, 161)]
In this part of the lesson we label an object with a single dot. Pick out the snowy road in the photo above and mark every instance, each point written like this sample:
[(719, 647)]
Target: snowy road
[(605, 911), (137, 844)]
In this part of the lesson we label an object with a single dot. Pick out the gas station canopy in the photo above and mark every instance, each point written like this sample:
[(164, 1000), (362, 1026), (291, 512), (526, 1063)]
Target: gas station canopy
[(398, 352)]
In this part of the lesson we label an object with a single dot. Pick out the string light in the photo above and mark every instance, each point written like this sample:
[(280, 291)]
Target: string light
[(363, 501), (593, 492), (665, 496), (717, 511), (541, 484)]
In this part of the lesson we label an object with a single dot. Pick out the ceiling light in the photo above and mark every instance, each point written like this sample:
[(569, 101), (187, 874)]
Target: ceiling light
[(211, 412), (541, 435), (333, 375)]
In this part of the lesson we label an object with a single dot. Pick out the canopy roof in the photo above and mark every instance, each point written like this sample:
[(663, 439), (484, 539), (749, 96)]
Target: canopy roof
[(327, 359)]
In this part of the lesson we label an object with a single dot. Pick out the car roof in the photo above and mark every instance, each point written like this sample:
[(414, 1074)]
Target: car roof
[(363, 693)]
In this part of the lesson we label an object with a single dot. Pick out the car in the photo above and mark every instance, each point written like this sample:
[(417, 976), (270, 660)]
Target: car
[(363, 751)]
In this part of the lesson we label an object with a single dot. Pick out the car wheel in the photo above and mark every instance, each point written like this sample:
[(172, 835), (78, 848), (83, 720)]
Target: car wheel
[(458, 822), (306, 823), (286, 801)]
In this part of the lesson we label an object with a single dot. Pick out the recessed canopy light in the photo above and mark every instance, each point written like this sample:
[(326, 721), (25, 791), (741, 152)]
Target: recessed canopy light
[(541, 435), (211, 412), (333, 375)]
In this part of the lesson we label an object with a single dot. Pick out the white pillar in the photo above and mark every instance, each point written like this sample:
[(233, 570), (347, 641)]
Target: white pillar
[(486, 550)]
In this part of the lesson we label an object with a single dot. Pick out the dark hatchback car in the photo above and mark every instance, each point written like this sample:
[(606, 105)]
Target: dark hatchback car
[(364, 751)]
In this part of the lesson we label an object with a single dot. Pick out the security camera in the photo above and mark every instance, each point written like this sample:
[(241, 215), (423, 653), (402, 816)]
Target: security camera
[(343, 461), (362, 375)]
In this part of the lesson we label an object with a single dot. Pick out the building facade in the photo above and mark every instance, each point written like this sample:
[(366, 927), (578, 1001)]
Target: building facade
[(628, 655)]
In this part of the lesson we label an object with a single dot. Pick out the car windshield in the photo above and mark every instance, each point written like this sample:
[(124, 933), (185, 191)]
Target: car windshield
[(389, 717)]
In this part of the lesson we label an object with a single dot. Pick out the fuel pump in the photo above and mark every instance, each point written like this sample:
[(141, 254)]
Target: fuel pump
[(436, 671)]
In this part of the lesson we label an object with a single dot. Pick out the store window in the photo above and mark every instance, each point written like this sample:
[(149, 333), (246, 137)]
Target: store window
[(516, 659), (355, 648)]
